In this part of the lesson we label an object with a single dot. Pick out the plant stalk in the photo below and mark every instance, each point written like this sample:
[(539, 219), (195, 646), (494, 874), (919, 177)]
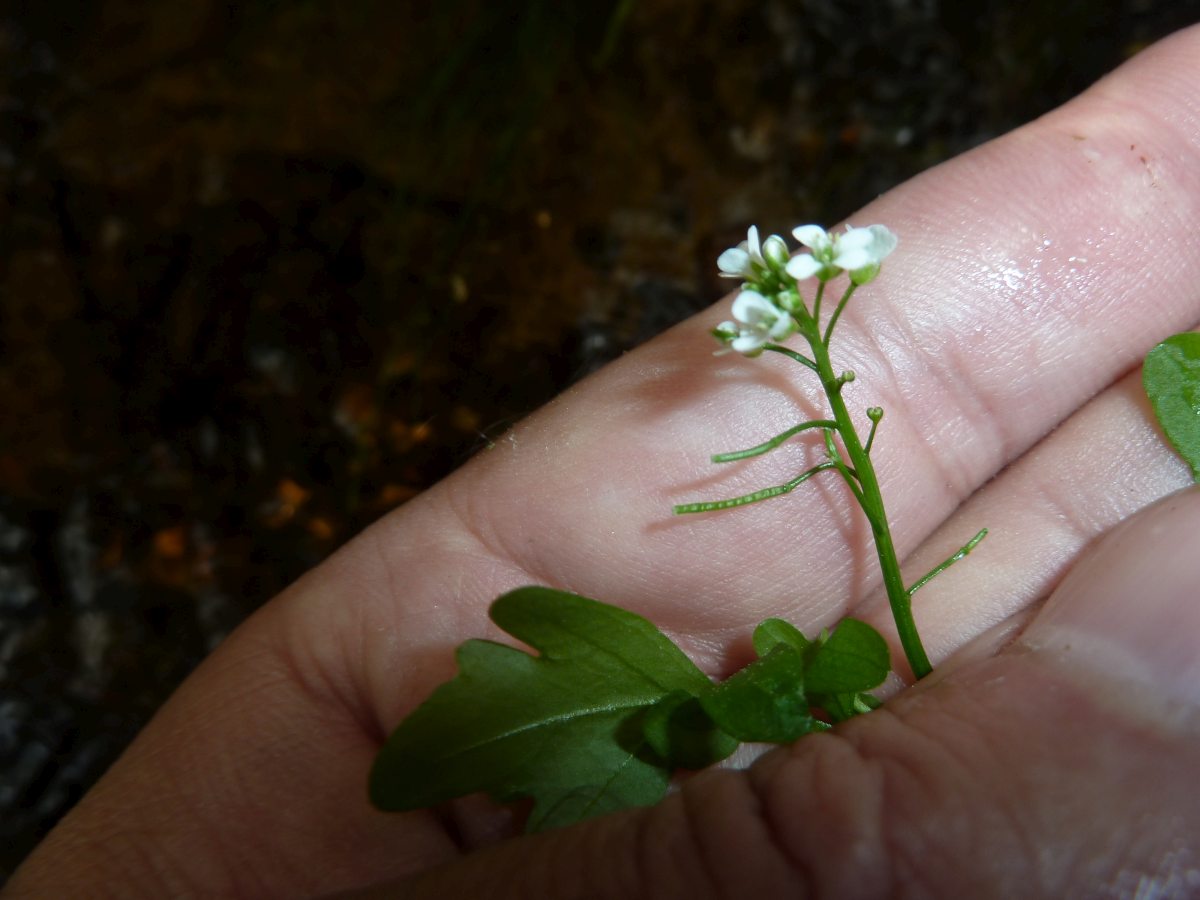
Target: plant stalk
[(871, 500)]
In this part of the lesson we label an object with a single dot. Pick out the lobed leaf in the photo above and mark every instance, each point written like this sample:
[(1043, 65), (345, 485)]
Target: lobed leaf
[(562, 728)]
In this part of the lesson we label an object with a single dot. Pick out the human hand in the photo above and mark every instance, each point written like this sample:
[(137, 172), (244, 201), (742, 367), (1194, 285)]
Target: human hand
[(1033, 275)]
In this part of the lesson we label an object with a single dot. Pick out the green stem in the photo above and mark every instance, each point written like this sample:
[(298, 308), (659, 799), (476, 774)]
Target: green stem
[(871, 435), (837, 313), (767, 446), (848, 474), (870, 498), (791, 354), (943, 566), (816, 310)]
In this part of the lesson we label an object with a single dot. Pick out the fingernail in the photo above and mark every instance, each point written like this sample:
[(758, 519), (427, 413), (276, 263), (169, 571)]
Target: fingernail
[(1131, 606)]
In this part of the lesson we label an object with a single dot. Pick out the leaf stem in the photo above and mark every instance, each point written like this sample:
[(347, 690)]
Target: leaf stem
[(774, 442), (963, 551), (791, 354), (816, 310), (874, 414), (848, 474), (837, 313)]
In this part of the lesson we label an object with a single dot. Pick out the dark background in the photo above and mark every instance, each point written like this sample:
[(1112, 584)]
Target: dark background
[(268, 269)]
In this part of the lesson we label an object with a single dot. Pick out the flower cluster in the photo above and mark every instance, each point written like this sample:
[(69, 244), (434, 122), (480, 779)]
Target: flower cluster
[(765, 310), (759, 321)]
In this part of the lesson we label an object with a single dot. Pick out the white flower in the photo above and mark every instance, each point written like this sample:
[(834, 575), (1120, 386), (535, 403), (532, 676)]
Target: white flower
[(759, 321), (749, 258), (738, 262), (861, 250), (858, 251)]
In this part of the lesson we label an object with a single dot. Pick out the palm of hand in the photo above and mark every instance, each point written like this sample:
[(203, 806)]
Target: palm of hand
[(1035, 273)]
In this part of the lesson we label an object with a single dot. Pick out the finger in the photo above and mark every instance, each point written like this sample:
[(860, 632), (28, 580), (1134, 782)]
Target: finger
[(1031, 274), (1055, 769), (1099, 467)]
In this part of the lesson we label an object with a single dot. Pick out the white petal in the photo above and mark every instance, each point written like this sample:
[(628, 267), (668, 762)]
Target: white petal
[(753, 247), (811, 236), (783, 328), (853, 259), (752, 307), (749, 342), (885, 241), (803, 266), (734, 263), (854, 239), (862, 247)]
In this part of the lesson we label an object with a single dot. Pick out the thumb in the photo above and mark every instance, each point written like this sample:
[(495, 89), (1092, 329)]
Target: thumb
[(1065, 766)]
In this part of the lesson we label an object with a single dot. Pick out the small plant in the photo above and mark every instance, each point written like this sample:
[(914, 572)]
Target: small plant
[(772, 307), (611, 708)]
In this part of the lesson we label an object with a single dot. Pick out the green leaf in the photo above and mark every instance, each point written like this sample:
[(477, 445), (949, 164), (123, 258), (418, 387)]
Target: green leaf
[(838, 668), (854, 658), (770, 633), (764, 701), (1171, 376), (563, 728), (683, 734), (565, 626), (577, 805), (840, 707)]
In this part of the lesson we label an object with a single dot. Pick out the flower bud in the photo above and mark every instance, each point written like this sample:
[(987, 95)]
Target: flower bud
[(775, 251), (789, 301), (725, 332)]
